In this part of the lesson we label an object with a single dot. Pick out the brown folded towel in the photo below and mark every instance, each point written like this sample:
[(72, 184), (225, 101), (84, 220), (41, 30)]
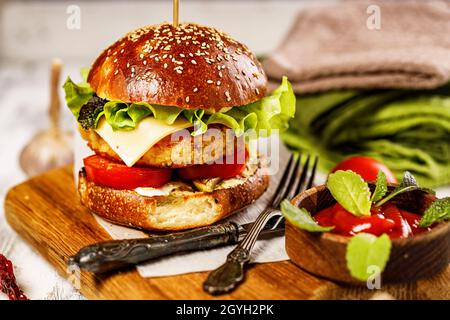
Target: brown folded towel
[(331, 47)]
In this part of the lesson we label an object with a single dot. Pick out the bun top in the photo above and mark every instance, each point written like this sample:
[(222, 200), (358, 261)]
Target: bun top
[(189, 66)]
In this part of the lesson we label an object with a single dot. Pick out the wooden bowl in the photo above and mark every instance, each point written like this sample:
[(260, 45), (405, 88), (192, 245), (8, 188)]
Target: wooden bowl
[(323, 254)]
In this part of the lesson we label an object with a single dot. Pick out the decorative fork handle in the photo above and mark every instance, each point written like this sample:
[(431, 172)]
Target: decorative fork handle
[(225, 278), (111, 255)]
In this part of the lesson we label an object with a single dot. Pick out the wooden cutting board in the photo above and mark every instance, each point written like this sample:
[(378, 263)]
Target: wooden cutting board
[(46, 212)]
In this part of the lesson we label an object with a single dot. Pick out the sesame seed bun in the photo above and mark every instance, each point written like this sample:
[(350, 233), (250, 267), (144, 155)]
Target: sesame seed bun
[(189, 66)]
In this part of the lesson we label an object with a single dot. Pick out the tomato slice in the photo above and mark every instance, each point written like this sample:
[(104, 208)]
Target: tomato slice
[(366, 167), (215, 170), (107, 173)]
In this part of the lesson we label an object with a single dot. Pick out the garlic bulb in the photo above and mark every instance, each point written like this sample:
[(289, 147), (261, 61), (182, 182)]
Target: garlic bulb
[(50, 148)]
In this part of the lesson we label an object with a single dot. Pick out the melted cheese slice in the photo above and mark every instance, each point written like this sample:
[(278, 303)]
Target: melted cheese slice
[(131, 145)]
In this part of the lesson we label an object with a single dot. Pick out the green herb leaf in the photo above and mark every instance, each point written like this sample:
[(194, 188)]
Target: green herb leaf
[(380, 188), (301, 218), (438, 211), (365, 250), (408, 180), (408, 184), (350, 191)]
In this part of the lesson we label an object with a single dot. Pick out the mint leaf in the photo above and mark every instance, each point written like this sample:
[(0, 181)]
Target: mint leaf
[(365, 250), (350, 191), (301, 218), (380, 188), (408, 184), (408, 180), (438, 211)]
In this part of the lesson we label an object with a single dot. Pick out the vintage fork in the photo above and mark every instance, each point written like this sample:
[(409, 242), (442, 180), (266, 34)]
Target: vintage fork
[(231, 273)]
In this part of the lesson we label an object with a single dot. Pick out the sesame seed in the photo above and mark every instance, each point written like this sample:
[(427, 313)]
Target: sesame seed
[(179, 71), (257, 91), (218, 83), (128, 64), (122, 51), (220, 74), (187, 99), (193, 62), (182, 55), (168, 47), (195, 89), (145, 62), (210, 81), (237, 77), (116, 72), (156, 59), (141, 56), (132, 69), (227, 94), (165, 65), (115, 60)]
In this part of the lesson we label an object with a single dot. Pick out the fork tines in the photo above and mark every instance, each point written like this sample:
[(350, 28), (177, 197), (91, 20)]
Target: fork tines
[(295, 178)]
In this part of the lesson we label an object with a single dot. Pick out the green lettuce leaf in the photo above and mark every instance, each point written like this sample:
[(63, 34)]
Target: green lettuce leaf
[(365, 250), (123, 116), (77, 95), (301, 218), (269, 113)]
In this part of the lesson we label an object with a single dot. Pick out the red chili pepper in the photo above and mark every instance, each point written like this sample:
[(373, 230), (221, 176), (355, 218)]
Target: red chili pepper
[(8, 284)]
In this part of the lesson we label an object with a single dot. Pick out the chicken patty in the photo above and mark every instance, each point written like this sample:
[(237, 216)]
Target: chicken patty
[(214, 144)]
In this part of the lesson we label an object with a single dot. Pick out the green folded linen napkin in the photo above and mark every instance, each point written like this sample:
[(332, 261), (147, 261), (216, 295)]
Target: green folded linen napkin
[(405, 129)]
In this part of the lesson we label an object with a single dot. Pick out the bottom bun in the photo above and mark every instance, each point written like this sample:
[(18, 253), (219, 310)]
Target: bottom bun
[(183, 209)]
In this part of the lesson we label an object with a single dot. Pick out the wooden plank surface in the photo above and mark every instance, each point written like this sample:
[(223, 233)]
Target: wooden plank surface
[(46, 212)]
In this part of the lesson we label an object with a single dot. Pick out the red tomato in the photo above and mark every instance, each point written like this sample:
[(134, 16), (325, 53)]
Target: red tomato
[(366, 167), (107, 173), (215, 170)]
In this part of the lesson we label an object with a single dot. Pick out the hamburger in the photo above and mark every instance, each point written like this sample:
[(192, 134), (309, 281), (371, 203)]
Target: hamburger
[(166, 111)]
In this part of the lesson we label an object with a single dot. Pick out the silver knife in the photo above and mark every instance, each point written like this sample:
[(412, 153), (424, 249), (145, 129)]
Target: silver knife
[(117, 254)]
